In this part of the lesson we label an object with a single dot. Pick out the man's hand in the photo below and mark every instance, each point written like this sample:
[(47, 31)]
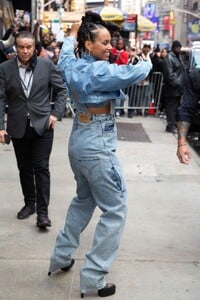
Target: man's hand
[(52, 121), (183, 153), (2, 136)]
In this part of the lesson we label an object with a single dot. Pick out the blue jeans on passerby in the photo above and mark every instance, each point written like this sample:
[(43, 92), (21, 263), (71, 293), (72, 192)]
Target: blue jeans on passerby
[(100, 182)]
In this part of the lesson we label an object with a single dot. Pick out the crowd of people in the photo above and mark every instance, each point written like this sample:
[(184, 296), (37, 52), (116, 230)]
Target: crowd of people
[(92, 69), (48, 46), (171, 66)]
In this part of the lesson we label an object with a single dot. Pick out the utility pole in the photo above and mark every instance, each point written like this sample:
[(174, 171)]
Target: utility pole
[(59, 9), (39, 6), (119, 4), (33, 12)]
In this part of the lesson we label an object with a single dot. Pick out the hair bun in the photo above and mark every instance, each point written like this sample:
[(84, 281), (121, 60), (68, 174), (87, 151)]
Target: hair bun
[(92, 17)]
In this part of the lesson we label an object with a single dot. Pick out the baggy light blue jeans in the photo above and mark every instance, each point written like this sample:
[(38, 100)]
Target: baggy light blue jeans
[(100, 182)]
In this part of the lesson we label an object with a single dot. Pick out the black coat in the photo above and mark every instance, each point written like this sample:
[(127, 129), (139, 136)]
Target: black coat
[(175, 75)]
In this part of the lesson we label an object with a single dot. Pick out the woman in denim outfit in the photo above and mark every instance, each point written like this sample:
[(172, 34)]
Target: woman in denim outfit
[(94, 84)]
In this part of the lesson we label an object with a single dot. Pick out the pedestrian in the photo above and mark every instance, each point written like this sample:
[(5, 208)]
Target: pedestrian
[(94, 85), (175, 80), (120, 57), (119, 52), (186, 113), (163, 54), (146, 51), (133, 59), (25, 87), (7, 42), (156, 60)]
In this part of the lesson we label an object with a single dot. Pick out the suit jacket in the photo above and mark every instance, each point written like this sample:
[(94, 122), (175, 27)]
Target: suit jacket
[(37, 104)]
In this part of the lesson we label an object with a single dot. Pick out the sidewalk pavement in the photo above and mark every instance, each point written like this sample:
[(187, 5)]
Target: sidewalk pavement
[(159, 257)]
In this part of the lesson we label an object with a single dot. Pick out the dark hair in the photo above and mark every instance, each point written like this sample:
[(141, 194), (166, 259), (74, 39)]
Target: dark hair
[(176, 44), (24, 34), (163, 50), (87, 31), (147, 46)]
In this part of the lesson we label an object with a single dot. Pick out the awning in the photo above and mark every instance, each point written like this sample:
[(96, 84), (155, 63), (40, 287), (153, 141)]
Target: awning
[(109, 13), (143, 25)]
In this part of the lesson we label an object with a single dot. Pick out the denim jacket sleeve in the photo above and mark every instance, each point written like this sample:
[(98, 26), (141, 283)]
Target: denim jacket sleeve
[(92, 79)]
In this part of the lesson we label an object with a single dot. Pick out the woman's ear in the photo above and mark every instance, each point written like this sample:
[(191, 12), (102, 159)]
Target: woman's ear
[(88, 46)]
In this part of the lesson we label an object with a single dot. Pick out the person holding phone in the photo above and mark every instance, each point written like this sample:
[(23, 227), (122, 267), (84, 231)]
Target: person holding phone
[(25, 83)]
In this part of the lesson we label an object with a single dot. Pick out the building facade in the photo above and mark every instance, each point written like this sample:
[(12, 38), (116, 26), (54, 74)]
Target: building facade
[(174, 19), (178, 19)]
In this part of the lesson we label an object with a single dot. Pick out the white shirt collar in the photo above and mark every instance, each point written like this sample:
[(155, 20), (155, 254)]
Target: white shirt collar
[(20, 65)]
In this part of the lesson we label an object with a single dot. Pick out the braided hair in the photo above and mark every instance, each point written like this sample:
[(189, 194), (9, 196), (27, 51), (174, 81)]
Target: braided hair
[(87, 31)]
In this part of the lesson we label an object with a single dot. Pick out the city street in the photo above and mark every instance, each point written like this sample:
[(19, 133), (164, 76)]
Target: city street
[(159, 257)]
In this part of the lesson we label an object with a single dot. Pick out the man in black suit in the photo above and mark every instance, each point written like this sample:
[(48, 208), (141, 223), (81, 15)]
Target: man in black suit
[(25, 83)]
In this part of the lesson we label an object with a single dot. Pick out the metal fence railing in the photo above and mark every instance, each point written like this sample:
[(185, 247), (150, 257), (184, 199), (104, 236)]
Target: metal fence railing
[(142, 95), (139, 96)]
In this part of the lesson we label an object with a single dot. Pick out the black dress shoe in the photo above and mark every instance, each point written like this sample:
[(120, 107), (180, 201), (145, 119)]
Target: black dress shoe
[(130, 115), (43, 222), (122, 112), (108, 290), (67, 268), (25, 212)]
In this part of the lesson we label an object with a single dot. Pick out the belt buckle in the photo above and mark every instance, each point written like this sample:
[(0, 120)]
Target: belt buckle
[(84, 117)]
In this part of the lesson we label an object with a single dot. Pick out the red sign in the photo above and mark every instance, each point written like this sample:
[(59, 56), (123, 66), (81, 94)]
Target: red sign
[(131, 18)]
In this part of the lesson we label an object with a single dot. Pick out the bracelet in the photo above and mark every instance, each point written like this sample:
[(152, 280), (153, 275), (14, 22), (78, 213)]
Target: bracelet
[(181, 145)]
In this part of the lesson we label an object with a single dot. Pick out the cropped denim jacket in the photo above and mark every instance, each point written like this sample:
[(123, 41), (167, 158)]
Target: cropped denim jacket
[(92, 81)]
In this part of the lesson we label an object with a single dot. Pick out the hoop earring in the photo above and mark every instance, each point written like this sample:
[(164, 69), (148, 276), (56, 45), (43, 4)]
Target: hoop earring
[(88, 52)]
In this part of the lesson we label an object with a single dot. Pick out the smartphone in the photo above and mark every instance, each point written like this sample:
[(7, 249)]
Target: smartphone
[(7, 139)]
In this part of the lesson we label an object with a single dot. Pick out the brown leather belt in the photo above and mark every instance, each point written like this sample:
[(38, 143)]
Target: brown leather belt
[(99, 110)]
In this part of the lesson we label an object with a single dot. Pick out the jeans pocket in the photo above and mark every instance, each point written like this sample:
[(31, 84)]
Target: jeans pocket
[(117, 179), (109, 127)]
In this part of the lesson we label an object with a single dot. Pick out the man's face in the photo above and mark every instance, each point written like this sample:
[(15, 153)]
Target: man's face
[(46, 40), (25, 49), (145, 50), (177, 50)]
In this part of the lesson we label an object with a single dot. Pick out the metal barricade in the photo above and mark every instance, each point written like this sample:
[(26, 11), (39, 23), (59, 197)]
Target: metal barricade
[(142, 95), (69, 110)]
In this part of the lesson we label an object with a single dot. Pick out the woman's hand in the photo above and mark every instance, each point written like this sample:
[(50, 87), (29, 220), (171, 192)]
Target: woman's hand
[(74, 29)]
